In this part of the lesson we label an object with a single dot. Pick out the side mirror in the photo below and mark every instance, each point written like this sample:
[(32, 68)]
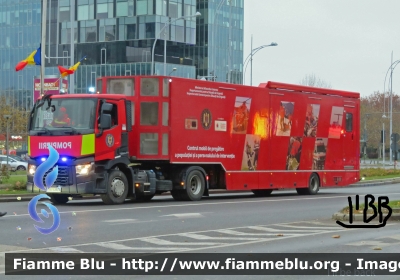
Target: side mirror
[(105, 121), (106, 108)]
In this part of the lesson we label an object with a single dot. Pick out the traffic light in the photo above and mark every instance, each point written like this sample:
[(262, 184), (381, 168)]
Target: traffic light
[(395, 138)]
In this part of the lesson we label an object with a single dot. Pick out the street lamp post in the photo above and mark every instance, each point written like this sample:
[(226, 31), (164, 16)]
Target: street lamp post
[(7, 117), (365, 136), (173, 70), (165, 42), (249, 58), (391, 69)]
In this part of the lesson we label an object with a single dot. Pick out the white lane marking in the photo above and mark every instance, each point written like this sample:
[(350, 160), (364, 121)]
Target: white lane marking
[(254, 240), (371, 243), (281, 230), (119, 221), (396, 236), (248, 242), (65, 250), (185, 215), (316, 228), (201, 204), (116, 246), (234, 232), (159, 241), (205, 237)]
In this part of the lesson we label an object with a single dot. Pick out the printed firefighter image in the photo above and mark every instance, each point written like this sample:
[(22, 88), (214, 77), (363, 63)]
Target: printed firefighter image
[(335, 124), (294, 153), (241, 115), (284, 119), (319, 154), (312, 114), (250, 153)]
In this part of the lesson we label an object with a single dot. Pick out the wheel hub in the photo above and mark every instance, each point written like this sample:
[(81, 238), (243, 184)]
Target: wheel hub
[(195, 185), (117, 187)]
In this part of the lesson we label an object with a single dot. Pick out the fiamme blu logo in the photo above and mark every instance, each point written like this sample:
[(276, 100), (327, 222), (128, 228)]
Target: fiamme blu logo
[(49, 180)]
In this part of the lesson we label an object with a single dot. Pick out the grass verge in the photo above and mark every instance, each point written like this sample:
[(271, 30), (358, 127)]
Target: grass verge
[(392, 204)]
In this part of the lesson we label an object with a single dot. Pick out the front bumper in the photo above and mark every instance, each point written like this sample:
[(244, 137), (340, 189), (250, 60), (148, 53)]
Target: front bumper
[(81, 188)]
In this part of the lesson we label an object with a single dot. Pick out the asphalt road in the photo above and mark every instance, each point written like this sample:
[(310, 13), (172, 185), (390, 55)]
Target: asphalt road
[(225, 223)]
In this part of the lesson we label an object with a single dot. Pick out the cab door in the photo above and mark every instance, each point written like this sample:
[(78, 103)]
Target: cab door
[(108, 145), (351, 145)]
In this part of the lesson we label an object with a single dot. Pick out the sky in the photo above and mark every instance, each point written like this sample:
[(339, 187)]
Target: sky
[(346, 43)]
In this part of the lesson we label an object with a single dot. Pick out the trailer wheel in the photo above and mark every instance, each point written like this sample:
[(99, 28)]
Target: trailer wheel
[(117, 188), (313, 186), (195, 186), (262, 193), (58, 198)]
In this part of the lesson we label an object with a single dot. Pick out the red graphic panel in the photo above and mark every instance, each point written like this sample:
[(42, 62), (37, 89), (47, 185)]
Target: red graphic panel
[(64, 145)]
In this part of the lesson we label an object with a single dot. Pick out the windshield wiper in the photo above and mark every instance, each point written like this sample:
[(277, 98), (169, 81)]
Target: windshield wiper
[(75, 132), (46, 130)]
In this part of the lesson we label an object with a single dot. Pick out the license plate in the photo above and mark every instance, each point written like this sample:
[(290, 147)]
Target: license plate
[(54, 189)]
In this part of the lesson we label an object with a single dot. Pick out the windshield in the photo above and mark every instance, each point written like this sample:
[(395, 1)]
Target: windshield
[(65, 114)]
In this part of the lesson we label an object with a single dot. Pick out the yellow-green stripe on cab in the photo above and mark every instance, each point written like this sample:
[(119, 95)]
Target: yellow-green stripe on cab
[(87, 144)]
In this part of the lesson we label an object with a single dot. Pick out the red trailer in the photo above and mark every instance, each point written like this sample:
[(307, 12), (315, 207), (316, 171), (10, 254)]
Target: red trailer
[(145, 135)]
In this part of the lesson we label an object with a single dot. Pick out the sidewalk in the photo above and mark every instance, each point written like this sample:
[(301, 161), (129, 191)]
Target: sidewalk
[(369, 183)]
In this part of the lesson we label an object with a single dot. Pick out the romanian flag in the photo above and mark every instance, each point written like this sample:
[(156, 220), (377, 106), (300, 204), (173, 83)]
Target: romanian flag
[(65, 72), (34, 59)]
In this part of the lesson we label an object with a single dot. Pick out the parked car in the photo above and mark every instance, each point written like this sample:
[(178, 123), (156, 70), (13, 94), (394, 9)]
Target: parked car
[(13, 163), (17, 158)]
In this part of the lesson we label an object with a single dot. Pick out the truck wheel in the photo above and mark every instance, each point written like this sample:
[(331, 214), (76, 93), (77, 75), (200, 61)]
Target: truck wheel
[(58, 198), (117, 188), (313, 186), (262, 193), (195, 186)]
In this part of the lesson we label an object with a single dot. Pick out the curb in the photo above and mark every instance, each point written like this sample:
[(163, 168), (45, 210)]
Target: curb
[(373, 183), (360, 217)]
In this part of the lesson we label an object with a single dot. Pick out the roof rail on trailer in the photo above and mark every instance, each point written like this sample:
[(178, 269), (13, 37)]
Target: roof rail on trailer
[(301, 88)]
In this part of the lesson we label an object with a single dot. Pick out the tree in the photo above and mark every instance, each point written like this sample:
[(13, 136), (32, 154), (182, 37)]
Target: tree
[(18, 121), (373, 107), (312, 81)]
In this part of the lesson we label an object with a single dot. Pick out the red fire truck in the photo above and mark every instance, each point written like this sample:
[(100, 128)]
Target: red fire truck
[(139, 136)]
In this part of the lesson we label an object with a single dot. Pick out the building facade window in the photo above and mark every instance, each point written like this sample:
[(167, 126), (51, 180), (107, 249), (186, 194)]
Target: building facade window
[(64, 11), (88, 31), (107, 30), (65, 37), (105, 9), (125, 8), (85, 9)]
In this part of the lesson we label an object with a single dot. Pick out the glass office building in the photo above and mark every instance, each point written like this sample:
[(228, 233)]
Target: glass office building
[(117, 37), (219, 48)]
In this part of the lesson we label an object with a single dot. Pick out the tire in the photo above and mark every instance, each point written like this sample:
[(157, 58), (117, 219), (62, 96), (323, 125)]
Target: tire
[(21, 168), (313, 186), (262, 193), (195, 186), (117, 188), (58, 198)]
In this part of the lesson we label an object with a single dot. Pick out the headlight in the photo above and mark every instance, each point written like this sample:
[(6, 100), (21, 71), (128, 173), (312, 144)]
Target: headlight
[(31, 169), (82, 169)]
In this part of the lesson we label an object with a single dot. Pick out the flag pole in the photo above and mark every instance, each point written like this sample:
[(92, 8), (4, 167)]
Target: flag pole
[(43, 46)]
